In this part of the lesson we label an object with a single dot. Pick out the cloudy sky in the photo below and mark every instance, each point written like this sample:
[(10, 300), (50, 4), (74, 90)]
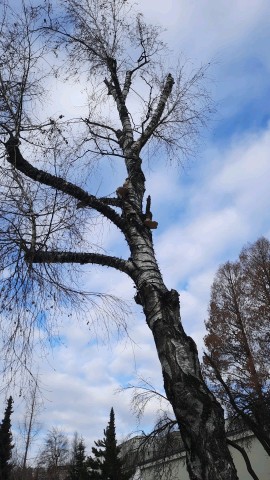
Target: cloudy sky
[(206, 211)]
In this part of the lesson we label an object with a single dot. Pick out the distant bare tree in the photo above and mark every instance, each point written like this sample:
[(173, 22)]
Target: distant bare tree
[(238, 338), (55, 452), (49, 218), (30, 427)]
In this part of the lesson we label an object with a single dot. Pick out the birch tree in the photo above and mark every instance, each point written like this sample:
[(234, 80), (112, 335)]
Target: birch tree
[(48, 209)]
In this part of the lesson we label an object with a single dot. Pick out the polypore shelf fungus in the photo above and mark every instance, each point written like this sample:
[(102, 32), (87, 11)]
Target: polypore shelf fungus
[(148, 221)]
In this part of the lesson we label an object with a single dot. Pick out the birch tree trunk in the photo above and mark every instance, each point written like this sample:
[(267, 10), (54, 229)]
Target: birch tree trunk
[(199, 415)]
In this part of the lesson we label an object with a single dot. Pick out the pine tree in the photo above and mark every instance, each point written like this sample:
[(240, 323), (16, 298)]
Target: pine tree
[(6, 445), (107, 464)]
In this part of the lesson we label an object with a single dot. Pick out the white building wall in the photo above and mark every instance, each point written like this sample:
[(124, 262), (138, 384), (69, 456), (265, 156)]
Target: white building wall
[(258, 458), (174, 467)]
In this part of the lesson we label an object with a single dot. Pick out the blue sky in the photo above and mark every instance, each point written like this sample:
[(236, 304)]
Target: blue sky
[(206, 211)]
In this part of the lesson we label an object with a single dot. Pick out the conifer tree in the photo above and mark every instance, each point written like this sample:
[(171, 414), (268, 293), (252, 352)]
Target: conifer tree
[(78, 466), (107, 464), (6, 445)]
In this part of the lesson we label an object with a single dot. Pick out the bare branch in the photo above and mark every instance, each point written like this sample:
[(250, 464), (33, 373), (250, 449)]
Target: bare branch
[(153, 124), (81, 258), (16, 159), (245, 456)]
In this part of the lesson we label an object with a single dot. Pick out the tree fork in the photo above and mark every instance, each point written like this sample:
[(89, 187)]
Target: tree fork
[(16, 159)]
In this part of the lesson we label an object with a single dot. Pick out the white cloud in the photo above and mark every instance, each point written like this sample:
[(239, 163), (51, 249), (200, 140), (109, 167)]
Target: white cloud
[(226, 203), (202, 30)]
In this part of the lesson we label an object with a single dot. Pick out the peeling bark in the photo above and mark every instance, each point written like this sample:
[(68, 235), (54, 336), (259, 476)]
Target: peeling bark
[(199, 416)]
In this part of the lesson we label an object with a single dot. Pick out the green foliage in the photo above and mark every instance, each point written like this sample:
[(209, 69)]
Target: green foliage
[(6, 445), (106, 463), (78, 466)]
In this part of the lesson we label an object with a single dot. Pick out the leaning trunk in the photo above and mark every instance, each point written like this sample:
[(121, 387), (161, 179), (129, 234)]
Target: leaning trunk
[(199, 416)]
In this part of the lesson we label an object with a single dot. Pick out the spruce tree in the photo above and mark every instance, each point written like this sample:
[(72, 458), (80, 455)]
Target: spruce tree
[(6, 445), (78, 466), (106, 463)]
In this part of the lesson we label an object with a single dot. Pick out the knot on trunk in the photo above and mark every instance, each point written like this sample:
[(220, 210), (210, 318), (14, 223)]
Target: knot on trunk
[(146, 291), (138, 298), (171, 298)]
